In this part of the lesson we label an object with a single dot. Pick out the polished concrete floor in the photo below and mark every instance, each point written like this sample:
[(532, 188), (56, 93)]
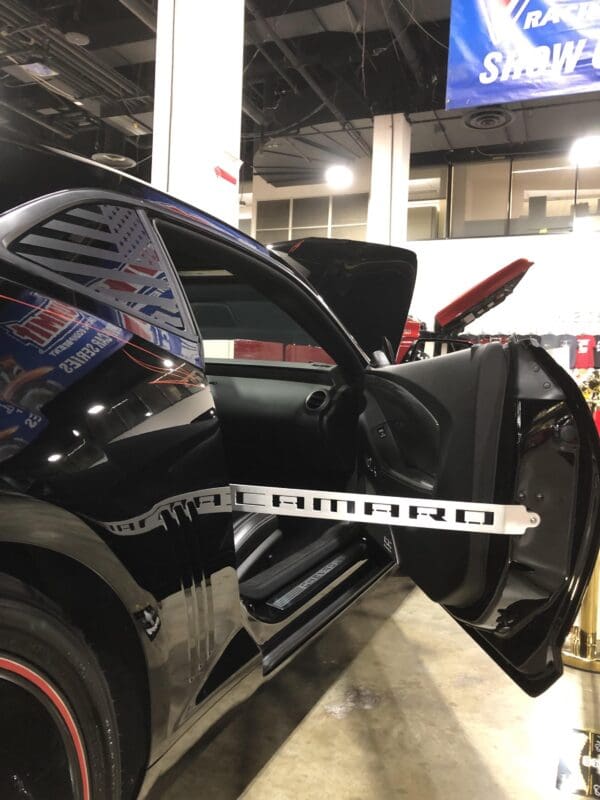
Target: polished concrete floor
[(393, 701)]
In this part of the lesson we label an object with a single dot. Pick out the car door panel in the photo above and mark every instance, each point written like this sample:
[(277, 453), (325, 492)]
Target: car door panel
[(460, 399), (513, 428)]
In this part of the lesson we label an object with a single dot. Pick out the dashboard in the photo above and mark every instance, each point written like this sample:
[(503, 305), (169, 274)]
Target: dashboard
[(293, 424)]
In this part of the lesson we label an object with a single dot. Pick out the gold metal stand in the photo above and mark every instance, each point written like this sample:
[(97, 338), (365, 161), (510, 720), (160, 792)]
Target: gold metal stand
[(581, 648)]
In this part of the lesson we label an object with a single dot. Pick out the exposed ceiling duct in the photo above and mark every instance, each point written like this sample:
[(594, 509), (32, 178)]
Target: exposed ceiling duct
[(35, 52), (268, 32), (399, 21)]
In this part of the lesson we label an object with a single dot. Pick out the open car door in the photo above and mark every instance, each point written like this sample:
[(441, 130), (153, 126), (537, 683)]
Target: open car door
[(458, 448), (492, 424)]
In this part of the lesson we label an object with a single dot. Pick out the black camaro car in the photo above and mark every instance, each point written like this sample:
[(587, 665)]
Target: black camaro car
[(206, 457)]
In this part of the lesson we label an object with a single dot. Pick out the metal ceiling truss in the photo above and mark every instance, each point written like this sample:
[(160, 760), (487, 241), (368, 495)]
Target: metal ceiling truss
[(83, 88), (290, 56)]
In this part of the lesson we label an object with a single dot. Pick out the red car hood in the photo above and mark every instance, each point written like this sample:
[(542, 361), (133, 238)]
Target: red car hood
[(478, 300)]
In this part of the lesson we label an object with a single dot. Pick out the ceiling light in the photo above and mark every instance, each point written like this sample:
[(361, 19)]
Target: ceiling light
[(97, 409), (78, 102), (585, 151), (54, 457), (148, 414), (78, 38), (114, 160), (75, 432), (39, 70), (339, 176), (168, 363)]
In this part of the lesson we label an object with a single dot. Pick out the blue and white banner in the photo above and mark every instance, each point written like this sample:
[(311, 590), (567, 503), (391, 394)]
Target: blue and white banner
[(507, 50)]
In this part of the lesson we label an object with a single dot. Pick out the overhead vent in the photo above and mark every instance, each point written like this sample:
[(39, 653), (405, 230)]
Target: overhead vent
[(488, 118)]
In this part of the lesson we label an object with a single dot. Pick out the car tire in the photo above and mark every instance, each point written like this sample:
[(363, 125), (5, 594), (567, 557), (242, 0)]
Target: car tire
[(50, 677)]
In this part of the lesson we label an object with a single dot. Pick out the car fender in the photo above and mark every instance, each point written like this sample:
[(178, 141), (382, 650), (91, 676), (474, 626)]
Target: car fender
[(36, 523)]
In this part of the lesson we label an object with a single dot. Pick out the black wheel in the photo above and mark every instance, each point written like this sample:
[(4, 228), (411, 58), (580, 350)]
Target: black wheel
[(58, 730)]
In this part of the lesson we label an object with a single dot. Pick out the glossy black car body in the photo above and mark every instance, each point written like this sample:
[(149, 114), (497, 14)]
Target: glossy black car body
[(117, 440)]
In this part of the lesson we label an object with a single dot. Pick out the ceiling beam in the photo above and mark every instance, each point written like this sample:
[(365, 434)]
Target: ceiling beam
[(142, 11), (399, 23), (269, 33)]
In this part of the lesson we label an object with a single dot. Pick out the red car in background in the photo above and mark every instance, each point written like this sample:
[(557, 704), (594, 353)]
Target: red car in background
[(451, 321)]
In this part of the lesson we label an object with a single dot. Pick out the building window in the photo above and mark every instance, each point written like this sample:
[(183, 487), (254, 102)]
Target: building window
[(587, 201), (349, 216), (427, 199), (542, 196), (333, 217), (245, 225), (273, 221), (480, 194)]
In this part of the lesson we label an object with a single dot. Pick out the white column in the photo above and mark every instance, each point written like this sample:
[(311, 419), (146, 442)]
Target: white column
[(388, 200), (198, 103)]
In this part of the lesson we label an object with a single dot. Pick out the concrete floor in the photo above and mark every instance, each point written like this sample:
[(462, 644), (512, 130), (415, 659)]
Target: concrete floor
[(381, 707)]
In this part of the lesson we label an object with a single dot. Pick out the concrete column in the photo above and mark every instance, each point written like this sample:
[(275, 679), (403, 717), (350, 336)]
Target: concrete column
[(198, 103), (388, 201)]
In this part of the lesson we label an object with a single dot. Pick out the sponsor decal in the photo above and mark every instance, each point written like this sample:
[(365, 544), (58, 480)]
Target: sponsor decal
[(503, 50), (51, 343), (45, 347)]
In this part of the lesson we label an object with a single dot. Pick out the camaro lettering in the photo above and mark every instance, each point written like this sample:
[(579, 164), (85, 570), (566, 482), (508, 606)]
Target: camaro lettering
[(475, 517), (432, 512)]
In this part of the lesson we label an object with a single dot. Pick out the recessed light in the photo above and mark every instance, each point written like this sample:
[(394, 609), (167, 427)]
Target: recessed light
[(96, 409), (168, 363), (54, 457), (78, 38)]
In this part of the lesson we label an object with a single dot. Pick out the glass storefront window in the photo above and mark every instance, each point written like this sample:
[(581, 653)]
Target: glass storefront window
[(245, 225), (272, 235), (304, 233), (480, 199), (310, 212), (587, 202), (543, 195), (427, 193), (349, 216), (273, 214), (272, 221), (336, 217)]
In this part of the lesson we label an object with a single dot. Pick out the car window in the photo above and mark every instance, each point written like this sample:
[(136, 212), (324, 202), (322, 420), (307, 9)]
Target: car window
[(109, 252), (235, 320)]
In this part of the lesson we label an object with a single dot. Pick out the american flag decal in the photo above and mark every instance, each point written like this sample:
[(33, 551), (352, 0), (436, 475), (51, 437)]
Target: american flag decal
[(107, 250)]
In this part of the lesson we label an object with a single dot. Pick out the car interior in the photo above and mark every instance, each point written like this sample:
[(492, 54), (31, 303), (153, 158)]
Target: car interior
[(285, 423)]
